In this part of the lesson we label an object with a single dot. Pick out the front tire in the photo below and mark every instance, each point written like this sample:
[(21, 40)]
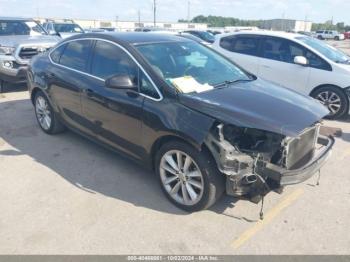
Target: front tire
[(334, 99), (189, 178), (46, 116)]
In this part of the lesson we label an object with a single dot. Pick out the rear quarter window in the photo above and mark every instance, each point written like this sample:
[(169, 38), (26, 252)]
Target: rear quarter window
[(246, 44), (56, 53), (76, 55)]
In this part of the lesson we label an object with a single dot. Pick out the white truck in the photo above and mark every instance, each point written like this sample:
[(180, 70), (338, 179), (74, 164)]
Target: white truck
[(329, 34), (20, 40)]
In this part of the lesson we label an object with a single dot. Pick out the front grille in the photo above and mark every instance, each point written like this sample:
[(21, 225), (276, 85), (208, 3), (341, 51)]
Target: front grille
[(27, 53), (301, 149)]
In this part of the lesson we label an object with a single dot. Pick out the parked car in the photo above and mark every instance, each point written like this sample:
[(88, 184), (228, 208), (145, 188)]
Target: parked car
[(329, 34), (203, 124), (347, 35), (64, 29), (214, 32), (109, 29), (149, 29), (306, 33), (20, 40), (184, 35), (94, 30), (205, 36), (301, 63)]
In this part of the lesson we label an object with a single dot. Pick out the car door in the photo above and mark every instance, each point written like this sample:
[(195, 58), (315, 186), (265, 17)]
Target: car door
[(277, 63), (114, 114), (243, 50), (66, 78)]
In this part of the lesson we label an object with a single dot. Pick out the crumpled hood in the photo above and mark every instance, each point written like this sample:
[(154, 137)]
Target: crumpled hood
[(15, 40), (258, 104)]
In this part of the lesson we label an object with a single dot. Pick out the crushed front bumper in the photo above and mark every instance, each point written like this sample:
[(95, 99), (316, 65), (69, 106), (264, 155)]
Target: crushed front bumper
[(286, 177)]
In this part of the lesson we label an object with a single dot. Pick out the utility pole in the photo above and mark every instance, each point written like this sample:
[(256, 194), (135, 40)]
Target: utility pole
[(154, 12), (188, 12), (116, 21), (139, 17)]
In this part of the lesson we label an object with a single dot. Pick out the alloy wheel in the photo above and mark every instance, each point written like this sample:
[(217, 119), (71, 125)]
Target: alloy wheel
[(330, 100), (43, 113), (181, 177)]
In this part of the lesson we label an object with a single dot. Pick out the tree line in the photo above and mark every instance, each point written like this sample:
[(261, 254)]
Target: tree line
[(220, 21)]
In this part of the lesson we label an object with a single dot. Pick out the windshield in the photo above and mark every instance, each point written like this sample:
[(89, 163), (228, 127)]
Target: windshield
[(68, 28), (189, 66), (207, 36), (328, 51), (14, 27)]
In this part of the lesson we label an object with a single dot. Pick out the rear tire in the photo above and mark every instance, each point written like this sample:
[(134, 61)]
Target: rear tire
[(334, 99), (46, 116), (336, 38), (193, 186)]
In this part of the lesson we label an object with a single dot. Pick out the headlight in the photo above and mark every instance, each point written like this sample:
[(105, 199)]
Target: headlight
[(6, 50)]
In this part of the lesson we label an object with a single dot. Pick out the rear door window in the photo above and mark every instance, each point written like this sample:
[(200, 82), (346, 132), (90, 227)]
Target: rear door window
[(242, 44), (76, 55)]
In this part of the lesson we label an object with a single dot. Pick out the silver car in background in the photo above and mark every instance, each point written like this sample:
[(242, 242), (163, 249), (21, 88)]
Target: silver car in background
[(20, 40)]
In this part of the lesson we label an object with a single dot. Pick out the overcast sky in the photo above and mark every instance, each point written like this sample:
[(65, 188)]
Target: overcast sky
[(172, 10)]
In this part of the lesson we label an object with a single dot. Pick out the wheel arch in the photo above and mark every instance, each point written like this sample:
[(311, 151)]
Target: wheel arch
[(35, 90), (169, 138), (325, 85)]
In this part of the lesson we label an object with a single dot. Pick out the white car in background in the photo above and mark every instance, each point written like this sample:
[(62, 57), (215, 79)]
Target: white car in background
[(301, 63), (329, 35)]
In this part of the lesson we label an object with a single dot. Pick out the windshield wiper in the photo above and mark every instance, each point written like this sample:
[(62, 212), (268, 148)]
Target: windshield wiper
[(230, 82)]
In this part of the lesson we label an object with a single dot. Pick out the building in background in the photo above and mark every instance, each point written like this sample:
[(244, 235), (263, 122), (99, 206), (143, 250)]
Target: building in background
[(132, 25), (289, 25)]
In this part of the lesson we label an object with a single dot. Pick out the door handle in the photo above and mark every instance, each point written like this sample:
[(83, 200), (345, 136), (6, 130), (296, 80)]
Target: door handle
[(266, 66)]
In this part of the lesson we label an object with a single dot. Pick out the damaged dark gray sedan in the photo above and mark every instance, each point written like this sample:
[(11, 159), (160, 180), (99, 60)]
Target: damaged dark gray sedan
[(203, 124)]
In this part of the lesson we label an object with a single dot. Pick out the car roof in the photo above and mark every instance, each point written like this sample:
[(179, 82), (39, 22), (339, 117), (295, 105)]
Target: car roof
[(264, 33), (15, 18), (135, 38)]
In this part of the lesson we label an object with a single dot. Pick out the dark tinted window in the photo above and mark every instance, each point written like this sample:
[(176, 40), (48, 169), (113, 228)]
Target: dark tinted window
[(22, 27), (228, 43), (56, 54), (76, 55), (109, 60), (317, 62), (246, 44)]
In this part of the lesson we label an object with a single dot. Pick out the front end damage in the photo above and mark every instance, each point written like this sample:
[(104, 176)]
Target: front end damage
[(256, 162)]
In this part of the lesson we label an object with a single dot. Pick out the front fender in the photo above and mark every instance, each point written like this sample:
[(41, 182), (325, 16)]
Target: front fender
[(169, 118)]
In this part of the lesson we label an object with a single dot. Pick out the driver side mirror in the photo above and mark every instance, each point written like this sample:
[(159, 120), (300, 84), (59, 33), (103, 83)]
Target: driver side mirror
[(121, 82), (301, 60)]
